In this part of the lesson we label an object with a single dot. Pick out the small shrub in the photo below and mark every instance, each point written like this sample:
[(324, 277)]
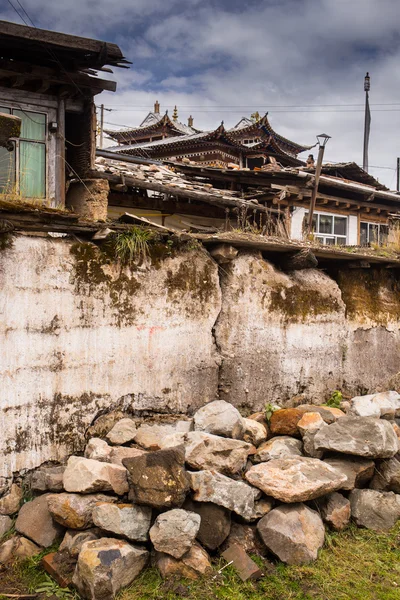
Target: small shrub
[(133, 244), (269, 411), (335, 400)]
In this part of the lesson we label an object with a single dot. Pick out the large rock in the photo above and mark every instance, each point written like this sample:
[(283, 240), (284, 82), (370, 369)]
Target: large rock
[(284, 421), (73, 510), (335, 510), (85, 476), (237, 496), (5, 525), (123, 432), (220, 418), (174, 532), (106, 566), (358, 471), (359, 436), (387, 476), (293, 533), (215, 523), (375, 510), (48, 479), (73, 540), (278, 447), (254, 432), (158, 478), (103, 424), (10, 503), (295, 479), (309, 423), (127, 520), (329, 415), (18, 548), (194, 564), (208, 451), (152, 437), (384, 404), (97, 449), (118, 453), (35, 522)]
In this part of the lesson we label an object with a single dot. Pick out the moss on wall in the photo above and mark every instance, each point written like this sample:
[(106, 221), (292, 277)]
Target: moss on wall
[(370, 294), (299, 304)]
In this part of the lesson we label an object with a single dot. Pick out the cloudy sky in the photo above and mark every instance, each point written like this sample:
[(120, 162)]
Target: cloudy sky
[(303, 61)]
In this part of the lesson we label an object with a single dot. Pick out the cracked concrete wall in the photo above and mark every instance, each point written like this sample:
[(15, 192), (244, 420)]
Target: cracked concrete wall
[(79, 335), (285, 335)]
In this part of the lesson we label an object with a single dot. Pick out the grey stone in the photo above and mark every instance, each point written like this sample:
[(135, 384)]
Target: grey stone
[(223, 253), (387, 476), (48, 479), (254, 432), (73, 540), (384, 404), (278, 447), (97, 449), (130, 521), (295, 479), (107, 565), (174, 532), (209, 486), (358, 436), (220, 418), (35, 522), (363, 406), (375, 510), (11, 501), (5, 525), (215, 522), (84, 475), (103, 424), (293, 533), (73, 510), (358, 471), (152, 437), (245, 536), (118, 453), (194, 564), (123, 432), (335, 510), (261, 507), (208, 451), (158, 478)]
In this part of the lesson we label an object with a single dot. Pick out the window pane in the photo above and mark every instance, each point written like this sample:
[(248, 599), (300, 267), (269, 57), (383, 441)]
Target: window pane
[(32, 178), (341, 241), (340, 226), (364, 234), (33, 125), (7, 170), (320, 239), (5, 110), (373, 233), (325, 224), (314, 222), (330, 241), (383, 234)]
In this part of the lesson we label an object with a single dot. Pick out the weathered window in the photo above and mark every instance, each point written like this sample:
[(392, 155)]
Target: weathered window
[(23, 170), (373, 233), (329, 229)]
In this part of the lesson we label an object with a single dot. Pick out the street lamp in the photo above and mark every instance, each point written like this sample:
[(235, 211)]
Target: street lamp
[(322, 141)]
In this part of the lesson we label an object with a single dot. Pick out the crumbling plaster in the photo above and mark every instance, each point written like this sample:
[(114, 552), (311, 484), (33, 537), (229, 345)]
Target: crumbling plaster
[(81, 335)]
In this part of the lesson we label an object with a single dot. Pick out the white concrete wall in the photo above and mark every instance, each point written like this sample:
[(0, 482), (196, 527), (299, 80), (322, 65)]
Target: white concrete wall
[(79, 335), (352, 236), (72, 345), (297, 223)]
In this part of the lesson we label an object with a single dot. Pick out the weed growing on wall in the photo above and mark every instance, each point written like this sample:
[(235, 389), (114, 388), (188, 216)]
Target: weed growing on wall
[(133, 245), (335, 400)]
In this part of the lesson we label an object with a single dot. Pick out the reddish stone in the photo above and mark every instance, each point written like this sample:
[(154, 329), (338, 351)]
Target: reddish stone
[(245, 566), (284, 421), (57, 566)]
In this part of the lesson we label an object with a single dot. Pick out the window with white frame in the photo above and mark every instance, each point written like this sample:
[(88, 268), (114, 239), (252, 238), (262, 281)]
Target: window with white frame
[(329, 229), (373, 233), (23, 170)]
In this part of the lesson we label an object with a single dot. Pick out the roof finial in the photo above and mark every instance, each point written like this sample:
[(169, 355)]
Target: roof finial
[(157, 107), (175, 115)]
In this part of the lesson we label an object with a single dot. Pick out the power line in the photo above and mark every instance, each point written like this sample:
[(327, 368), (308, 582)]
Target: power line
[(253, 106)]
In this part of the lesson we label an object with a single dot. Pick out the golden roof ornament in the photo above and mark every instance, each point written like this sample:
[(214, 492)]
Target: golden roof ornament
[(175, 114)]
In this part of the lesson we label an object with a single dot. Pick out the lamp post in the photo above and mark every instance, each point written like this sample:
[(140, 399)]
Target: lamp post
[(322, 141), (367, 121)]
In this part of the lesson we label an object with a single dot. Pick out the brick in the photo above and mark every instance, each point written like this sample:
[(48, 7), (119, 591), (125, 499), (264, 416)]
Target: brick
[(245, 566)]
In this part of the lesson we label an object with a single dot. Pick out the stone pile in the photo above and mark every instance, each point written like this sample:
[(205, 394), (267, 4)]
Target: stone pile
[(175, 493)]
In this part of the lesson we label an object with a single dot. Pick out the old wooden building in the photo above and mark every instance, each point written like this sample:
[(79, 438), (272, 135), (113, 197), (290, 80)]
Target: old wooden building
[(49, 80), (249, 144)]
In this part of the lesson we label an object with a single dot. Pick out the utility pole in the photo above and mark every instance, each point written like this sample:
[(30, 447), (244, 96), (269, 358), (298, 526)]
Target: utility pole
[(322, 141), (398, 175), (101, 124), (367, 121)]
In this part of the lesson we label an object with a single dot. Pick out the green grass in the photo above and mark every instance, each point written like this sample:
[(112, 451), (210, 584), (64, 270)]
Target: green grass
[(354, 565)]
